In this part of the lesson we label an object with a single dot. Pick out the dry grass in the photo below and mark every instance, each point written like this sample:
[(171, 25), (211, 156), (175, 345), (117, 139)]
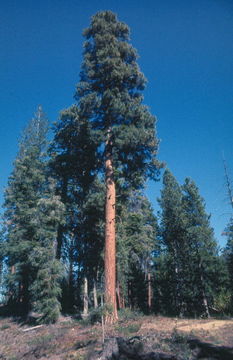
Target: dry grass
[(70, 340), (213, 330)]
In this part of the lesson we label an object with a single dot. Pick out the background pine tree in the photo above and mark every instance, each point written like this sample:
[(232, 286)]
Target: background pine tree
[(229, 259), (73, 166), (30, 228), (136, 241), (174, 246), (188, 265), (203, 255)]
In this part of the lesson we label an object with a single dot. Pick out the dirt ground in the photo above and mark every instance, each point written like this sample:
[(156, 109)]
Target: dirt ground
[(219, 332), (209, 325), (72, 340)]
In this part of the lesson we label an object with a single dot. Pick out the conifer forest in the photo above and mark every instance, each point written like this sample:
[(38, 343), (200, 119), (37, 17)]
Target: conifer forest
[(79, 235)]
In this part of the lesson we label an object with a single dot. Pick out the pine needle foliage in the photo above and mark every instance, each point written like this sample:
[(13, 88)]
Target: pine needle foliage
[(229, 257), (31, 218), (109, 95), (136, 242), (188, 262)]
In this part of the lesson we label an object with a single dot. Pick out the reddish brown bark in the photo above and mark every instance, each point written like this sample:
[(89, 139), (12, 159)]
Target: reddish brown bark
[(110, 241)]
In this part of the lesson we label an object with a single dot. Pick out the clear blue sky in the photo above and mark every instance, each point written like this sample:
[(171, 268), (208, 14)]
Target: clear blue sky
[(186, 53)]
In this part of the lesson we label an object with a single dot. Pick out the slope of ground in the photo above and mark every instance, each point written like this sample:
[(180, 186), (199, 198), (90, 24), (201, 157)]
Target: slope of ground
[(72, 340)]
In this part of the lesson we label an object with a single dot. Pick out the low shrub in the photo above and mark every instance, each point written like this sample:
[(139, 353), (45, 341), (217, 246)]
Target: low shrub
[(128, 314), (5, 326), (128, 330)]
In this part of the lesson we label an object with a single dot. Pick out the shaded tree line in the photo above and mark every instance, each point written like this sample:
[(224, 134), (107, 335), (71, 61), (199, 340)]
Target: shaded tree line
[(78, 229)]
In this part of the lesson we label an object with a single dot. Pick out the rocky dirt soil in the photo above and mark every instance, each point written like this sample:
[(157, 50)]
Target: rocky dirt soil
[(70, 339)]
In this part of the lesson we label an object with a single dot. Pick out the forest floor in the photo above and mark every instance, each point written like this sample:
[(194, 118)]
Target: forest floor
[(70, 339)]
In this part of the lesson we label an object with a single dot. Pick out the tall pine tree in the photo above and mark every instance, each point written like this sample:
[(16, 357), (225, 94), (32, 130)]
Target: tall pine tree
[(109, 96)]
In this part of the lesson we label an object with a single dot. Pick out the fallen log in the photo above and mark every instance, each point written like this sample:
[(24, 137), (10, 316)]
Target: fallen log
[(132, 349), (32, 328), (110, 349)]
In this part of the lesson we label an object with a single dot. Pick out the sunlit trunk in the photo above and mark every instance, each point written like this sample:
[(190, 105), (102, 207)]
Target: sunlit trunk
[(85, 298), (110, 240), (95, 295)]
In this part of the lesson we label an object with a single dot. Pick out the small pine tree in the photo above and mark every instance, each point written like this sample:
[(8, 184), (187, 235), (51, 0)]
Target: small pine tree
[(30, 228), (46, 289), (21, 196), (229, 257)]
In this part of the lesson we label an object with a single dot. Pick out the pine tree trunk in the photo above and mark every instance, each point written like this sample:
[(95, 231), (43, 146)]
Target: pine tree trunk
[(202, 283), (177, 283), (24, 297), (204, 298), (118, 291), (85, 298), (71, 283), (123, 302), (129, 295), (205, 304), (228, 184), (95, 295), (1, 271), (110, 240), (61, 229), (149, 292), (59, 241)]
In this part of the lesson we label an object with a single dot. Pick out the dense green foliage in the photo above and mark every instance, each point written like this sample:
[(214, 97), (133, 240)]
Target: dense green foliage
[(173, 246), (109, 111), (109, 96), (137, 239), (54, 221), (189, 265), (229, 259), (32, 216)]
